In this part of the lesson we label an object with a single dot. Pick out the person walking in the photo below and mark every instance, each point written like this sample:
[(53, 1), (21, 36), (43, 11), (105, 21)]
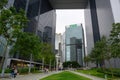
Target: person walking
[(15, 72), (12, 72)]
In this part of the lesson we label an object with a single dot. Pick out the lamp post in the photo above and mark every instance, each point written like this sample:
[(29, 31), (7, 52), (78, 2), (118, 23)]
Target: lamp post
[(42, 63)]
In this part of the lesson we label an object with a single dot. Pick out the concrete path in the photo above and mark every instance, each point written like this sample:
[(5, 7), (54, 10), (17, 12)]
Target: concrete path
[(42, 75), (88, 76), (32, 76)]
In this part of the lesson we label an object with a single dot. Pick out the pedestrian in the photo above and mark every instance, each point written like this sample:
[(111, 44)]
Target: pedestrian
[(47, 70), (15, 72), (12, 72)]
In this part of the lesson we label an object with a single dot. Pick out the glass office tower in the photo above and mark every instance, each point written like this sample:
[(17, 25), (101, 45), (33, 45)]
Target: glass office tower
[(74, 43), (42, 19)]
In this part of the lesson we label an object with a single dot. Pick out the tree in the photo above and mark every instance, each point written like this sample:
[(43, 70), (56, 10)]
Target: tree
[(46, 52), (26, 44), (87, 59), (72, 64), (3, 3), (115, 41), (98, 53), (11, 24)]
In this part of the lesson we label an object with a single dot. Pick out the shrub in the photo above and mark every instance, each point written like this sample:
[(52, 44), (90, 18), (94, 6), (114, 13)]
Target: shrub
[(26, 70), (23, 70), (6, 70), (72, 64)]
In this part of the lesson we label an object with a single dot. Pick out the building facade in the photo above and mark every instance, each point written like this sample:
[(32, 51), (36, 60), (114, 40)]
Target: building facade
[(58, 39), (63, 47), (58, 47), (99, 16), (106, 12), (42, 20), (74, 43)]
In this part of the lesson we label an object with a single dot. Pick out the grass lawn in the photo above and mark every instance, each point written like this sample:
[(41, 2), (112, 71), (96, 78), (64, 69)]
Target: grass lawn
[(94, 73), (65, 76)]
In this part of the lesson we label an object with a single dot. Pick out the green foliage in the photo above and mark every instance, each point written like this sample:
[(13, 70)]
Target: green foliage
[(93, 72), (65, 76), (105, 50), (115, 40), (72, 64), (99, 52), (46, 52), (3, 3), (87, 59), (25, 70), (6, 70), (11, 23), (26, 44)]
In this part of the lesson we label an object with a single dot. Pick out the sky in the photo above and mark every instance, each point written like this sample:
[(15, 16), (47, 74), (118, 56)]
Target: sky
[(68, 17)]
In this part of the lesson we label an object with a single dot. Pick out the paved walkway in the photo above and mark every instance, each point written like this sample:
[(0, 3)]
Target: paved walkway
[(42, 75), (88, 76), (32, 76)]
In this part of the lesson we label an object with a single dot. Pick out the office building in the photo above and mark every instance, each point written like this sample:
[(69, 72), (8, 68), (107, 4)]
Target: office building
[(58, 39), (58, 47), (63, 47), (42, 21), (74, 43), (99, 15), (76, 50), (106, 12), (42, 18)]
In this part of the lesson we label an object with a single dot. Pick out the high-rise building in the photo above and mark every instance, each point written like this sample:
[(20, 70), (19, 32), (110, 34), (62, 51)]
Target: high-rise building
[(76, 50), (63, 47), (58, 46), (74, 43), (106, 12), (58, 39), (99, 15), (42, 19), (100, 24)]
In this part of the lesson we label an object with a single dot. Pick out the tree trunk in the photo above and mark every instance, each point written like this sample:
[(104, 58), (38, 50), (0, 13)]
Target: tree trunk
[(111, 69), (50, 65), (2, 60), (5, 61), (30, 66), (114, 62), (42, 64)]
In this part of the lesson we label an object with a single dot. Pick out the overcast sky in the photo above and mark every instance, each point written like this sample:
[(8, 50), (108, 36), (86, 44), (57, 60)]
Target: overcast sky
[(68, 17)]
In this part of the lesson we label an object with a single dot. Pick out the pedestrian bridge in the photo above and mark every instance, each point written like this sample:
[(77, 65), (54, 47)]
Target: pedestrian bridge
[(69, 4)]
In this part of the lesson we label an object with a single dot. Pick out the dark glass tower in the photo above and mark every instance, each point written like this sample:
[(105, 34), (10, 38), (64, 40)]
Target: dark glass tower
[(42, 18)]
